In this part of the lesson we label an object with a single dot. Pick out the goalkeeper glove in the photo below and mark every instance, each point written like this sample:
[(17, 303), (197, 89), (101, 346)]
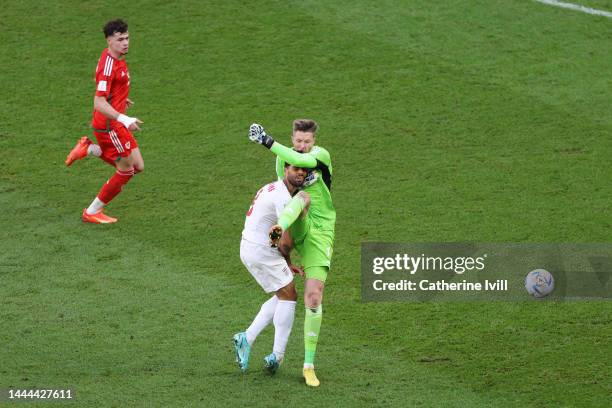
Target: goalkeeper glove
[(275, 235), (257, 134)]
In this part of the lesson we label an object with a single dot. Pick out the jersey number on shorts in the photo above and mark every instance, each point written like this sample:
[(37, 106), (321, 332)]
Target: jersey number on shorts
[(253, 203)]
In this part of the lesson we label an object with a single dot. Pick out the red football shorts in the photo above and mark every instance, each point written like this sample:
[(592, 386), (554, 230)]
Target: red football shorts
[(116, 143)]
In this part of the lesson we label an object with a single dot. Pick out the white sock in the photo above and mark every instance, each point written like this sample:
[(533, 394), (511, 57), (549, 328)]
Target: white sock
[(283, 322), (94, 150), (263, 318), (96, 206)]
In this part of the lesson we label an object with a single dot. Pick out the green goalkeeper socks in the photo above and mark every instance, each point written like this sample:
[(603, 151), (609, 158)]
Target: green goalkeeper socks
[(291, 212), (312, 326)]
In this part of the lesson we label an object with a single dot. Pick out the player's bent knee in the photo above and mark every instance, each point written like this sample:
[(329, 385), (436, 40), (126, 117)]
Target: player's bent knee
[(313, 289), (287, 292), (312, 300), (293, 295), (125, 168)]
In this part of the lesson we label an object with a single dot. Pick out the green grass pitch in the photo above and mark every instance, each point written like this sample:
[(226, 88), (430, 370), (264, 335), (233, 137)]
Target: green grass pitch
[(447, 121)]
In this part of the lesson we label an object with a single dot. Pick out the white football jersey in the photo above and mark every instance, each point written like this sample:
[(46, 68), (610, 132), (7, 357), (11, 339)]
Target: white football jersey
[(263, 213)]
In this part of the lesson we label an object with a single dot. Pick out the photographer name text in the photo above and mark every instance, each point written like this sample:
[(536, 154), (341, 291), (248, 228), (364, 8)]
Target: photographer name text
[(440, 285)]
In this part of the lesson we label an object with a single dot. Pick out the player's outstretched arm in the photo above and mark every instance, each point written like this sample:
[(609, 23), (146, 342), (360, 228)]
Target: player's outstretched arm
[(297, 159), (297, 206), (258, 134)]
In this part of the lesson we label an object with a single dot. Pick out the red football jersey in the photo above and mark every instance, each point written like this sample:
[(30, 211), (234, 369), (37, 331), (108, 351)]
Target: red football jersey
[(112, 82)]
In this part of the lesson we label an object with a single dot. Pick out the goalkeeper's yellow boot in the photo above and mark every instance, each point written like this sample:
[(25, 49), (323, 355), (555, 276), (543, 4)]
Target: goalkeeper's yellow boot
[(310, 377)]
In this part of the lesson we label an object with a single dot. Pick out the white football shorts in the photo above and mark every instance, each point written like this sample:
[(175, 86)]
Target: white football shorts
[(266, 264)]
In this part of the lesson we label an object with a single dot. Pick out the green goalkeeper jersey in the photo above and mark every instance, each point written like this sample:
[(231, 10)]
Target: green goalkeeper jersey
[(317, 183)]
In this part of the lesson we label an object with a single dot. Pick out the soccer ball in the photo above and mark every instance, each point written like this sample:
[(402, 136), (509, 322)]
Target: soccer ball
[(539, 283)]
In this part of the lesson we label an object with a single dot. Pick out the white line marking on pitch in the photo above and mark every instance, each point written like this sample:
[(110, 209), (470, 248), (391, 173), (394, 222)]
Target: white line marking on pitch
[(576, 7)]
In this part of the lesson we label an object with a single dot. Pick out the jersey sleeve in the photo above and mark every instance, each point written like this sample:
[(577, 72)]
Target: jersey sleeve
[(321, 155), (279, 206), (280, 168), (295, 158), (104, 77)]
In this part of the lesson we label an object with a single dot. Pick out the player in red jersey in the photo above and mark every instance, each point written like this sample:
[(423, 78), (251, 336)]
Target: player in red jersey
[(112, 128)]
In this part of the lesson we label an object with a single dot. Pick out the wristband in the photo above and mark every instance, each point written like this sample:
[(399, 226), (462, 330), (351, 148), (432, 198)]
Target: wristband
[(267, 141), (125, 120)]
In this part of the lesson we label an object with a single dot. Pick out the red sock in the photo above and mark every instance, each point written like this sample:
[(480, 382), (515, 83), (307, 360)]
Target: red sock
[(114, 185)]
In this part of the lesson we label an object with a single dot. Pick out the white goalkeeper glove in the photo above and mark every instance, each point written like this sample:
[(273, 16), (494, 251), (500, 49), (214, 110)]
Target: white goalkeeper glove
[(258, 134)]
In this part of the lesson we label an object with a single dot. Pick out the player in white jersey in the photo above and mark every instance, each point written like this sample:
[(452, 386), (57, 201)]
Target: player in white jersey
[(269, 267)]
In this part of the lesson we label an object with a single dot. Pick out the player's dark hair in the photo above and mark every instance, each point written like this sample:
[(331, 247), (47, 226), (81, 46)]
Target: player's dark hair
[(287, 164), (305, 125), (115, 26)]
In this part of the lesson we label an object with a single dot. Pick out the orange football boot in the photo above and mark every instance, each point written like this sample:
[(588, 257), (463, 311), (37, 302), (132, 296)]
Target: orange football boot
[(79, 150), (98, 218)]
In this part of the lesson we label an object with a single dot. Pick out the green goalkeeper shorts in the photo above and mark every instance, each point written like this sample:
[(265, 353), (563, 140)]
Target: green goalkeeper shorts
[(315, 246)]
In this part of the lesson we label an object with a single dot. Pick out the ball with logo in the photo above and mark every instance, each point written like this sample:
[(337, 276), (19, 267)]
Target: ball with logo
[(539, 283)]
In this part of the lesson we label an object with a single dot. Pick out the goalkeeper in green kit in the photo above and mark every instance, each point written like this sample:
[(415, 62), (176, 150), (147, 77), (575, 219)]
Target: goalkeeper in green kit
[(312, 234)]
